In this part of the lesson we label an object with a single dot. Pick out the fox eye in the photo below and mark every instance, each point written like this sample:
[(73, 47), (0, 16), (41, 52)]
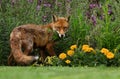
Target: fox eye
[(57, 28), (65, 28)]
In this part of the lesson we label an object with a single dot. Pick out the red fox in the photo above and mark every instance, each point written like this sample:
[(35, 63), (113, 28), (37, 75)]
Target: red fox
[(30, 36)]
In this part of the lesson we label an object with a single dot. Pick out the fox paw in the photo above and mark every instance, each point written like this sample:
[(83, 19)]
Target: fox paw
[(36, 57)]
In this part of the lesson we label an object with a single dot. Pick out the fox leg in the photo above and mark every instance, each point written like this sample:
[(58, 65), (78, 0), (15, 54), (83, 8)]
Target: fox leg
[(43, 56), (28, 50), (50, 49), (28, 47)]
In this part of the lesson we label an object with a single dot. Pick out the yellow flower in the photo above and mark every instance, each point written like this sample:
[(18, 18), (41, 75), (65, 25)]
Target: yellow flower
[(90, 49), (68, 61), (70, 52), (86, 48), (62, 56), (73, 47), (110, 55), (104, 51)]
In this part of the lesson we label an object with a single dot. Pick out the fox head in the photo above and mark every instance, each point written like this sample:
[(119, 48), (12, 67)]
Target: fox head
[(60, 25)]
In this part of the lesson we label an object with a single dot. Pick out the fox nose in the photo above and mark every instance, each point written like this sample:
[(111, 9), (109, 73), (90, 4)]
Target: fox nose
[(61, 35)]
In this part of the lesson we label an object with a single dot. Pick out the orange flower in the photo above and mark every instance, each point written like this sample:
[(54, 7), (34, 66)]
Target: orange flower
[(104, 51), (110, 55), (73, 47), (70, 52), (62, 56), (68, 61)]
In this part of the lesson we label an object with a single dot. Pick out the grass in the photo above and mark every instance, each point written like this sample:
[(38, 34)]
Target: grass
[(59, 72)]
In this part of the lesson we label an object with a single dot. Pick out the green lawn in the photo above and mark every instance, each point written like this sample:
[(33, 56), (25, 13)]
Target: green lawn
[(59, 72)]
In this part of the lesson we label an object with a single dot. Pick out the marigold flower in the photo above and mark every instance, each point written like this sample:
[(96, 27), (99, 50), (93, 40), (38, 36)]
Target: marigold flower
[(104, 51), (70, 52), (62, 56), (110, 55), (91, 49), (68, 61), (86, 48), (73, 47)]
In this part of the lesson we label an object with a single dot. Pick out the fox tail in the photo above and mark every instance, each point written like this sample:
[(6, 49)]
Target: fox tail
[(18, 56)]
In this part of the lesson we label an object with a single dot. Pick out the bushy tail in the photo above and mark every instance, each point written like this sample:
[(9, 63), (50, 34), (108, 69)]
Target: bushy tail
[(23, 59), (18, 56)]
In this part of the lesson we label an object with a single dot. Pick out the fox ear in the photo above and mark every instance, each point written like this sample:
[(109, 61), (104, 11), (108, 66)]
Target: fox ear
[(54, 17), (68, 18)]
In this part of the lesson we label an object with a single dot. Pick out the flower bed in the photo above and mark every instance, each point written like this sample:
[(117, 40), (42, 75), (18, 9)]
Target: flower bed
[(86, 56)]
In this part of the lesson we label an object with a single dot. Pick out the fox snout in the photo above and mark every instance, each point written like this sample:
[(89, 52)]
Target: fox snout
[(61, 34), (61, 31)]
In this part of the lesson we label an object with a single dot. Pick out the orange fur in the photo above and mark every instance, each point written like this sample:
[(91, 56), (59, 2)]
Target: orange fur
[(30, 35)]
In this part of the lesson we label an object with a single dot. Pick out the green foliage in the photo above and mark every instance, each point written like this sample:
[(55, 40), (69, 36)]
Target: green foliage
[(105, 33)]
